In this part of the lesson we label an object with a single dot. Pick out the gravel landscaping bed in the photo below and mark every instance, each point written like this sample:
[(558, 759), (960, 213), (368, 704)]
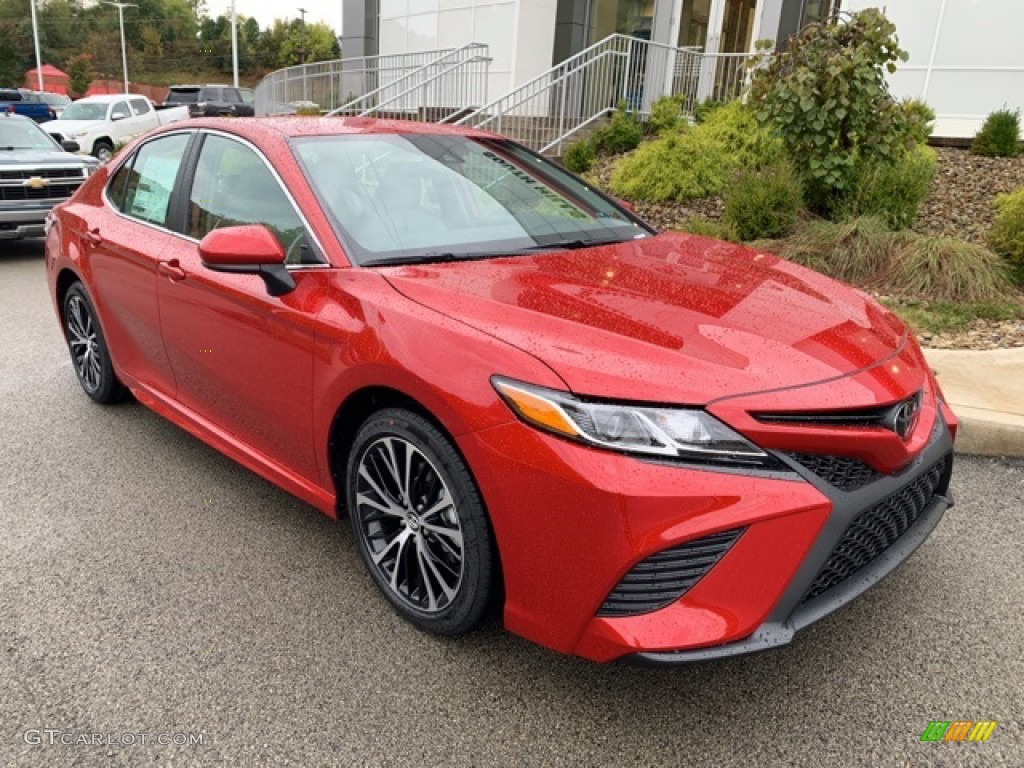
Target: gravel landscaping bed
[(960, 205)]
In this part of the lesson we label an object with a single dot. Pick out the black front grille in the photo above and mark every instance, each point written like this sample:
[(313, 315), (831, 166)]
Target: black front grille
[(844, 473), (44, 173), (665, 576), (50, 192), (876, 529)]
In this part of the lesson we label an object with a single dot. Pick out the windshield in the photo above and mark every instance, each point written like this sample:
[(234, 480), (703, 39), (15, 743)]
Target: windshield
[(407, 198), (183, 96), (84, 110), (23, 134)]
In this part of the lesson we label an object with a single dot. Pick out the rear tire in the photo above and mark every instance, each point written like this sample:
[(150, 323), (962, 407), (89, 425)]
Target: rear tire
[(419, 522), (89, 353)]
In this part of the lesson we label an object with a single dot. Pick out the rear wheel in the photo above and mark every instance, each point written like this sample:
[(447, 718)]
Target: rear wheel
[(88, 348), (420, 523)]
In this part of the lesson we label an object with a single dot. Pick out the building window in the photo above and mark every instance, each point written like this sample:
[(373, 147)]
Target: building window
[(627, 17), (817, 10)]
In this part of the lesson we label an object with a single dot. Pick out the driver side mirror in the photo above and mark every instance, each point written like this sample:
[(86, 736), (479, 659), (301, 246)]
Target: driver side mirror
[(70, 146), (249, 250)]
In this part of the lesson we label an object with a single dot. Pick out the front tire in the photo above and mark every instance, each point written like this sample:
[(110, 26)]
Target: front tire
[(103, 151), (419, 522), (88, 348)]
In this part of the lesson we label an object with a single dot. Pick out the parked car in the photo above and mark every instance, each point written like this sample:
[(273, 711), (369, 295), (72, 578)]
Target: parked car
[(35, 174), (100, 123), (650, 445), (212, 100), (57, 102), (17, 101)]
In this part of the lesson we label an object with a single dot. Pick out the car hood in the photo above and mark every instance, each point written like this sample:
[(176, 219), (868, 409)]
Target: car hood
[(673, 318), (67, 127), (34, 158)]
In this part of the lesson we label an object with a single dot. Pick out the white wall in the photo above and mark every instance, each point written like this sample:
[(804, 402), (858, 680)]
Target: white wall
[(520, 33), (966, 57)]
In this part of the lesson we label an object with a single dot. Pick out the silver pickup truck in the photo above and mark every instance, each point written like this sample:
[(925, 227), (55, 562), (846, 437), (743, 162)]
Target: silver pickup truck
[(36, 173)]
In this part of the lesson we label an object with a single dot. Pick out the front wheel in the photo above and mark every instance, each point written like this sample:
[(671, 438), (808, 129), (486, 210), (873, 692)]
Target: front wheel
[(103, 151), (420, 523), (88, 348)]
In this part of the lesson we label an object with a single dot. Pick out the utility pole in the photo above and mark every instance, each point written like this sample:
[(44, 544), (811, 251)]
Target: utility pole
[(302, 32), (234, 43), (124, 52), (35, 37)]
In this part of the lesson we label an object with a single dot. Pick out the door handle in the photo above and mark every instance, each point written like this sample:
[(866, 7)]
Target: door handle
[(93, 236), (172, 269)]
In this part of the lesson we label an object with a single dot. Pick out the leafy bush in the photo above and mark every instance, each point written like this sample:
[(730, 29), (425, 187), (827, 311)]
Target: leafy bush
[(1007, 234), (919, 121), (619, 135), (702, 110), (892, 190), (666, 115), (308, 110), (948, 269), (580, 157), (999, 136), (828, 99), (695, 162), (695, 225), (764, 203)]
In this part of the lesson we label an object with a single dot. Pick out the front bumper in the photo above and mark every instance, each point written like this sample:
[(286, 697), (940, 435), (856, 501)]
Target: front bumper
[(571, 521), (24, 222)]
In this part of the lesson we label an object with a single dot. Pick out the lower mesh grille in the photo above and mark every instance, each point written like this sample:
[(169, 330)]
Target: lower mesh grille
[(876, 529), (844, 473), (665, 576)]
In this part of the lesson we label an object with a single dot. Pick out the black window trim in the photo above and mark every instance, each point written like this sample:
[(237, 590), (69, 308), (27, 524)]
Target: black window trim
[(177, 208)]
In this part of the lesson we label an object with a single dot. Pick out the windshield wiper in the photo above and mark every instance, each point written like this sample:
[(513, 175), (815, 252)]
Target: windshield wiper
[(570, 245), (424, 258)]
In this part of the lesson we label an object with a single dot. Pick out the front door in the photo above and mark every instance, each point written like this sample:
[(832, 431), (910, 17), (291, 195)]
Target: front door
[(243, 359)]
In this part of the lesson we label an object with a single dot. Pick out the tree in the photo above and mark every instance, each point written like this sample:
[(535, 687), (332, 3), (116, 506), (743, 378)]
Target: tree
[(81, 73)]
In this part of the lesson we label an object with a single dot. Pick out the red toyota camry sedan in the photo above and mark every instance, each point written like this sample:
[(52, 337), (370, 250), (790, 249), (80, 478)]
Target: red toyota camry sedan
[(635, 444)]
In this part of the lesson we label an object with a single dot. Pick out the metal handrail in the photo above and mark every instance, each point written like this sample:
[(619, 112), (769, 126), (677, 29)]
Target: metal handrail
[(367, 98)]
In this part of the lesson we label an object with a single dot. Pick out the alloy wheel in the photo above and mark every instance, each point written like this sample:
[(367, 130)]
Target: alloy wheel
[(84, 344), (409, 523)]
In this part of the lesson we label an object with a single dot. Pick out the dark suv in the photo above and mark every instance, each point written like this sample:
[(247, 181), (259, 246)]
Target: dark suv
[(212, 100)]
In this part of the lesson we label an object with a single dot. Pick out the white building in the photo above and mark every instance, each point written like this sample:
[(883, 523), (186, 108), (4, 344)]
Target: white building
[(966, 56)]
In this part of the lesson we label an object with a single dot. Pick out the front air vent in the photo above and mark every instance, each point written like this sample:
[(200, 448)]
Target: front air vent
[(665, 576)]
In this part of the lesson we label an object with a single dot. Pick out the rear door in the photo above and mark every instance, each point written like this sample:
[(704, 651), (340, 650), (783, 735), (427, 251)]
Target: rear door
[(243, 359), (126, 238)]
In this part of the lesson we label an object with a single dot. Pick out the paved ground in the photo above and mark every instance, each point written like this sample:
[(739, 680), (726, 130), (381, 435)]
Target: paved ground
[(148, 585)]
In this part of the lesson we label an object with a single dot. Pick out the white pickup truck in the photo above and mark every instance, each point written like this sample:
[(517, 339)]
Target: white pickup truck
[(100, 123)]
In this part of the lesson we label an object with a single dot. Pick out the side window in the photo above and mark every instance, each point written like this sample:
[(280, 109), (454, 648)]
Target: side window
[(140, 106), (247, 95), (117, 185), (154, 169), (230, 94), (120, 110), (233, 187)]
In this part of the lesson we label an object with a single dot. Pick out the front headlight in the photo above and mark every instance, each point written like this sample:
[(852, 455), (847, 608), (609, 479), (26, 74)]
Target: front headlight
[(678, 433)]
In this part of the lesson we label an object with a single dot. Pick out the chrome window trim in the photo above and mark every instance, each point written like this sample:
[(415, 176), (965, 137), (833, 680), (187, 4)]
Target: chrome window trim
[(191, 131)]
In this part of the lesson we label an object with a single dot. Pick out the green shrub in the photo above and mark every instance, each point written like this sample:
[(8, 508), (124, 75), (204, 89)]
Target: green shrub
[(763, 204), (1007, 234), (999, 136), (696, 225), (892, 190), (827, 97), (580, 157), (308, 110), (666, 115), (619, 135), (695, 162), (702, 110), (947, 269), (919, 121), (855, 251)]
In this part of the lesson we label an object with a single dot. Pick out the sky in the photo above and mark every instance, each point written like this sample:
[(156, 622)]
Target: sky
[(265, 11)]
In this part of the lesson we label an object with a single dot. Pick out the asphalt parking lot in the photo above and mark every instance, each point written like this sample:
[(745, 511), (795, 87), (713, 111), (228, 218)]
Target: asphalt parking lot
[(150, 586)]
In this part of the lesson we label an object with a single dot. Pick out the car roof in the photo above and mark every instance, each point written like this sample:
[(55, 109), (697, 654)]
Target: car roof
[(106, 98), (16, 116), (205, 85), (257, 128)]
